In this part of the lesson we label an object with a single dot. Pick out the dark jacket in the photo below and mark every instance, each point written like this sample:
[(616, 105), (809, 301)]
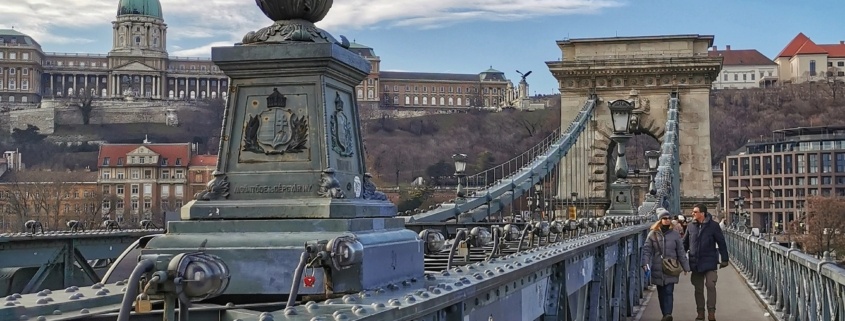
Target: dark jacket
[(701, 240), (672, 248)]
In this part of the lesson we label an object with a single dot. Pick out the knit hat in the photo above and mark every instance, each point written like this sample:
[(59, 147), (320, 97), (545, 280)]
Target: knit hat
[(661, 212)]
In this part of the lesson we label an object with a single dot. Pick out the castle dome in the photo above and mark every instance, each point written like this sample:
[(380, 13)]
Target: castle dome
[(150, 8)]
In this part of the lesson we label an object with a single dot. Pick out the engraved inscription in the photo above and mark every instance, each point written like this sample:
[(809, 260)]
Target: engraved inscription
[(274, 189)]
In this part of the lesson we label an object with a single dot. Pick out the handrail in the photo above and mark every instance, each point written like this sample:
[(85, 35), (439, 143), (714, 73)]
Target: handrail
[(488, 201), (793, 284)]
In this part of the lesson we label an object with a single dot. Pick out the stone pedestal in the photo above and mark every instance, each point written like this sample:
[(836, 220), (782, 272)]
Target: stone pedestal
[(291, 178), (620, 199)]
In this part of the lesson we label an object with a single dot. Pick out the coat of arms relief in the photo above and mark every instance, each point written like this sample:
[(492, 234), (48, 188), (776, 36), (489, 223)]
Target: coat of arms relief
[(277, 130), (341, 130)]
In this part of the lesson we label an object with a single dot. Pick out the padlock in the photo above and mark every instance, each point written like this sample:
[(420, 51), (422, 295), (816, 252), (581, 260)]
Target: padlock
[(143, 304), (310, 280)]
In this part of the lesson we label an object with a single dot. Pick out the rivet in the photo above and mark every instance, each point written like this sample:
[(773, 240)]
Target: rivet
[(71, 289), (290, 311), (41, 318), (102, 292), (10, 298), (435, 291), (478, 276), (265, 316), (377, 305), (24, 317), (364, 295), (42, 301), (348, 299), (394, 302), (84, 311), (318, 319), (444, 273), (97, 286), (57, 312), (230, 305), (9, 303)]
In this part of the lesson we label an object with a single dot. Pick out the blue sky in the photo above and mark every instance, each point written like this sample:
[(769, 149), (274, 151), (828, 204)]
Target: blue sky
[(461, 36)]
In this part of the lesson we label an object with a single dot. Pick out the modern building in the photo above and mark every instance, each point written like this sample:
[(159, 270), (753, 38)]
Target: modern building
[(744, 68), (138, 64), (394, 89), (776, 174), (802, 60)]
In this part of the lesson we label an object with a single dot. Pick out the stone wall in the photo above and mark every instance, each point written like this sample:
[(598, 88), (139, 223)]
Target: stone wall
[(44, 118)]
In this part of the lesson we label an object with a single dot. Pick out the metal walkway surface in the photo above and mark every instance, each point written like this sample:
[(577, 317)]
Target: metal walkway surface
[(735, 301)]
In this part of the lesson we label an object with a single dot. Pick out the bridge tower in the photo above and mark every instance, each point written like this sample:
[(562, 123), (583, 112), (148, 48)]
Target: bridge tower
[(644, 70)]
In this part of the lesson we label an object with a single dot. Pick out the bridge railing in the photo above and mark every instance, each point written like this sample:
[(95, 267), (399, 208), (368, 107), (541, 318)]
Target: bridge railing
[(794, 284), (542, 161)]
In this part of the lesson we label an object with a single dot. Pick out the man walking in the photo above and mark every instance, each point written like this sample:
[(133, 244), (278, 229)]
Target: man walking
[(701, 239)]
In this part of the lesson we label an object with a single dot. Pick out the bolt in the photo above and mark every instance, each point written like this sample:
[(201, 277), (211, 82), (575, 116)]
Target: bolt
[(42, 301), (265, 316), (378, 305), (57, 312), (394, 302), (348, 299), (84, 311)]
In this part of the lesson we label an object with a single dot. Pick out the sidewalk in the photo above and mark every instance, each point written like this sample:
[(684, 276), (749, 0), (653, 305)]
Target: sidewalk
[(735, 301)]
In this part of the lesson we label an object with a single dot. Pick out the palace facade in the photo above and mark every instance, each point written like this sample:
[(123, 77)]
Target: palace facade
[(138, 64)]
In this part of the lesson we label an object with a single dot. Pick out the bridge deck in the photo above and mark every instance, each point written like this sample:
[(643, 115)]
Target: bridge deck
[(735, 300)]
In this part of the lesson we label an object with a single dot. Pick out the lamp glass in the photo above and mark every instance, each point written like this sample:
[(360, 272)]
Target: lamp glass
[(620, 114), (653, 158), (460, 165), (574, 197), (538, 186)]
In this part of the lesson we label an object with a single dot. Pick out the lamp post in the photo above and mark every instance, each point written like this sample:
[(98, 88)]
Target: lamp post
[(653, 160), (620, 190), (739, 202), (538, 193), (460, 172), (574, 198)]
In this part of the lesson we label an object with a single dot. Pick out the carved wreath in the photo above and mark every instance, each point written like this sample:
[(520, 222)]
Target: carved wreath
[(299, 136)]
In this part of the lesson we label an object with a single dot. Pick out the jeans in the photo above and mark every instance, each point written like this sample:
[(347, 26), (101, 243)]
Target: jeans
[(666, 297)]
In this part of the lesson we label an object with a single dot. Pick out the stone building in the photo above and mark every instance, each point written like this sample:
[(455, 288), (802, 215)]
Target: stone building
[(802, 60), (744, 68), (20, 69), (137, 66), (420, 90), (49, 197)]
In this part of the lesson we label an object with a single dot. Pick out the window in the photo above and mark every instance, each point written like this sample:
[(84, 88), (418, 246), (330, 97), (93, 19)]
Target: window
[(165, 204), (840, 64), (814, 163), (147, 203), (136, 174), (778, 164), (106, 174), (799, 163), (165, 190), (119, 161), (120, 174), (25, 56), (812, 67), (840, 162), (134, 189), (13, 55), (736, 77), (25, 71), (726, 77), (178, 162), (179, 174), (826, 168), (179, 191), (163, 161), (148, 189), (198, 178), (370, 94), (752, 76), (165, 174), (148, 174), (134, 206), (407, 100), (744, 77), (360, 94), (119, 204), (787, 164), (12, 86), (119, 189)]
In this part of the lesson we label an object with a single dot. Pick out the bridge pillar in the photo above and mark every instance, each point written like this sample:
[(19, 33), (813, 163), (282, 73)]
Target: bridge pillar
[(290, 207), (646, 70)]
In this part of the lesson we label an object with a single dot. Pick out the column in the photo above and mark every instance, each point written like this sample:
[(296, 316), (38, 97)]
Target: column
[(208, 88), (198, 88), (142, 92), (52, 86), (75, 91), (218, 88), (86, 83)]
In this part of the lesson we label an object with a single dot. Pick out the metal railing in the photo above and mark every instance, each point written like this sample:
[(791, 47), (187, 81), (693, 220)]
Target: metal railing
[(793, 284), (529, 168)]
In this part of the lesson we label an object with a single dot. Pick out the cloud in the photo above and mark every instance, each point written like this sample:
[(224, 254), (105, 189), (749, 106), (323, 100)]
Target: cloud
[(228, 20), (200, 51)]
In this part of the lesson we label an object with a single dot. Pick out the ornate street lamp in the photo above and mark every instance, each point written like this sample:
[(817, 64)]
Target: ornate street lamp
[(653, 160), (460, 172), (620, 190)]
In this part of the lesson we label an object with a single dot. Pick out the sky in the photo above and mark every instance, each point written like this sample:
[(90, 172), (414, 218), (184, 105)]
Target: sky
[(453, 36)]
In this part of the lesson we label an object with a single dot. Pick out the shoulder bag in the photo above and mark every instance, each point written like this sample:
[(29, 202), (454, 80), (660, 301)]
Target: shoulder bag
[(671, 266)]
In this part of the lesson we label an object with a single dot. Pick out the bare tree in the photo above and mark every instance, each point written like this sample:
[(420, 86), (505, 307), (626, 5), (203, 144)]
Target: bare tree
[(823, 225), (19, 204), (834, 81), (84, 102)]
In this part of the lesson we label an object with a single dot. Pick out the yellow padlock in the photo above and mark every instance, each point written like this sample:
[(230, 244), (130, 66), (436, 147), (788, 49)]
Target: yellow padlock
[(143, 304)]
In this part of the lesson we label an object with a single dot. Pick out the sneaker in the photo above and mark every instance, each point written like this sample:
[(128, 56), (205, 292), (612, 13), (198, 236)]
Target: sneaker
[(667, 317)]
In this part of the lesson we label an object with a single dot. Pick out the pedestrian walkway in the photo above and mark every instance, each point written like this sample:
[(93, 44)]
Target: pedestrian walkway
[(735, 301)]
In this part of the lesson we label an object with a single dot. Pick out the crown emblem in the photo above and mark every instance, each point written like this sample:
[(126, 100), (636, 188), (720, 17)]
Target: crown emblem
[(276, 99)]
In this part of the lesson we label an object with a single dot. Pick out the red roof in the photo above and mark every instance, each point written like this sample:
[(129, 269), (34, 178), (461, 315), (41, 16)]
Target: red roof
[(792, 48), (203, 160), (835, 51), (802, 45), (743, 57), (171, 152)]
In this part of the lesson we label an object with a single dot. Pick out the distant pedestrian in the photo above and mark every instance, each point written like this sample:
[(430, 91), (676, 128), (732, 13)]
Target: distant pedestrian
[(663, 243), (701, 240)]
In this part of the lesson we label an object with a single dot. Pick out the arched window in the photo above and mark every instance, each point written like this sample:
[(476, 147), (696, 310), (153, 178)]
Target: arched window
[(407, 100), (11, 99), (24, 99), (396, 100), (416, 100), (360, 94), (433, 101), (138, 40), (193, 94), (370, 94), (451, 101), (104, 92), (459, 100), (202, 94), (70, 92), (425, 100), (442, 101), (181, 94), (213, 94)]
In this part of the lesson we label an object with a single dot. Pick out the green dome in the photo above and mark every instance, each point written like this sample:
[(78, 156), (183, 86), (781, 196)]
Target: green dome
[(151, 8)]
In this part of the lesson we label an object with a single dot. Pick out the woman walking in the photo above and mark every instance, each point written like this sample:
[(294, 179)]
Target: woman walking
[(664, 256)]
